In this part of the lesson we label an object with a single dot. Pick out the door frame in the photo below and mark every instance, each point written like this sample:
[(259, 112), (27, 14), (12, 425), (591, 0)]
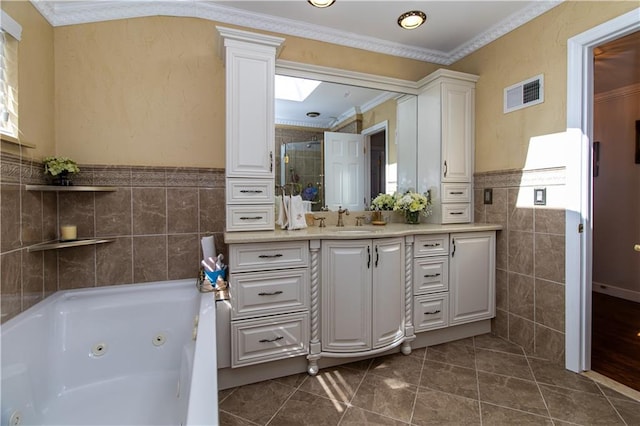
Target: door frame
[(579, 184)]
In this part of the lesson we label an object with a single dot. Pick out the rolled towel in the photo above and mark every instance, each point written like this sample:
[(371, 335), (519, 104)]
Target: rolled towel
[(208, 251)]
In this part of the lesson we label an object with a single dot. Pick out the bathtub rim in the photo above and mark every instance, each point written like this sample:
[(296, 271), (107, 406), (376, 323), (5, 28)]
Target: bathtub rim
[(203, 396)]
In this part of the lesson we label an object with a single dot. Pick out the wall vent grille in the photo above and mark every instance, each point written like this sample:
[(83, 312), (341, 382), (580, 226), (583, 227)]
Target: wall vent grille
[(524, 94)]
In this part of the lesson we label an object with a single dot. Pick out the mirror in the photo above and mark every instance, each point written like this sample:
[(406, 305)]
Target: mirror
[(342, 144)]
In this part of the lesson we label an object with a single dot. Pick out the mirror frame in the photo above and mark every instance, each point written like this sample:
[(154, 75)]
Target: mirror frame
[(353, 78)]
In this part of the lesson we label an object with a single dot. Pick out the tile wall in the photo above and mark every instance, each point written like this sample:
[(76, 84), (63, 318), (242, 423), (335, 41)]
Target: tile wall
[(157, 216), (530, 289)]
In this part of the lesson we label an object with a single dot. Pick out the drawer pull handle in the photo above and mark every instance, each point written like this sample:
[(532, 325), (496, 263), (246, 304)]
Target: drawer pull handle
[(273, 293), (271, 340), (269, 256), (251, 191), (250, 217), (456, 192), (431, 275), (456, 213), (432, 245), (437, 311)]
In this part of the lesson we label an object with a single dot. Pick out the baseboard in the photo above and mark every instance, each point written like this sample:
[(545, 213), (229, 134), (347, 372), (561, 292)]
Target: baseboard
[(622, 293)]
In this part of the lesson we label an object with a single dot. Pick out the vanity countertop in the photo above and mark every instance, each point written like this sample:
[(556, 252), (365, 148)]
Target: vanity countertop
[(352, 232)]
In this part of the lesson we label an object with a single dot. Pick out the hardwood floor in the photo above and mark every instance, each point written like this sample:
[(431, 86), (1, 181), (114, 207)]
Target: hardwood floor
[(615, 346)]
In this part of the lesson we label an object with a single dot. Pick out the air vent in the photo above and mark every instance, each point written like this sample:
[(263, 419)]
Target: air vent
[(526, 93)]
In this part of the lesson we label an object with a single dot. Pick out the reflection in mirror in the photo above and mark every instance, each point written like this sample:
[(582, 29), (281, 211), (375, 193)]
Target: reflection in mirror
[(338, 144)]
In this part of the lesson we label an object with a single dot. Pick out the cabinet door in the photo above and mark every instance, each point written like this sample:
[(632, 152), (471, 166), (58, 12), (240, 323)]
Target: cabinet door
[(346, 295), (457, 132), (250, 73), (388, 291), (472, 277)]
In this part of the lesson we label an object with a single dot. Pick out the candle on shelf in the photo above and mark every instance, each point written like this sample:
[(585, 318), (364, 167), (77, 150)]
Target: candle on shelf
[(68, 232)]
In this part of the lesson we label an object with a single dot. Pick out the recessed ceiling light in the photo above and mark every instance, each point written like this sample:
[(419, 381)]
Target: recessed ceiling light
[(313, 114), (411, 20), (321, 3)]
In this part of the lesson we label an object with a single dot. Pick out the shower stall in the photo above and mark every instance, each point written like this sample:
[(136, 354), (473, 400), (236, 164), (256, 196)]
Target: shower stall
[(301, 171)]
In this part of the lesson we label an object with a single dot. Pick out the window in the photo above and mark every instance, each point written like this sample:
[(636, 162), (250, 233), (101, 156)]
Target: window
[(10, 33)]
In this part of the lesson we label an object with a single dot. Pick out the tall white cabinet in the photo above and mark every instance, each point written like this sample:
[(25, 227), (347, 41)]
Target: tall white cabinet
[(445, 149), (250, 129)]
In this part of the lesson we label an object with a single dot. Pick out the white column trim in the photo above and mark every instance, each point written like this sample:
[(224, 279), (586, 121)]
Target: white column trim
[(578, 247)]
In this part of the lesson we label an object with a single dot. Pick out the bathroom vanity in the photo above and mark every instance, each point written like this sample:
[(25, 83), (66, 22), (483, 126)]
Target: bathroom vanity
[(345, 293), (306, 299)]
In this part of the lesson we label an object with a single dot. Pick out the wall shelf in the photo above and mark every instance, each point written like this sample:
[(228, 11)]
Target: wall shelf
[(58, 188), (13, 141), (54, 245)]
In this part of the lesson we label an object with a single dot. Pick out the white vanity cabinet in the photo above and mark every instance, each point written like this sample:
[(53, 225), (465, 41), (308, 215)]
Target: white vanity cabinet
[(269, 288), (472, 277), (431, 282), (250, 129), (362, 287), (446, 144)]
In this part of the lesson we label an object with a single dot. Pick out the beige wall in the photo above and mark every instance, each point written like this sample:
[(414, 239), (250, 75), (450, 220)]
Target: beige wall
[(35, 81), (147, 91), (538, 47), (150, 91)]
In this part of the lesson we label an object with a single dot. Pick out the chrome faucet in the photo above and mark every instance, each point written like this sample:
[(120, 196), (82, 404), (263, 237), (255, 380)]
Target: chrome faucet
[(340, 212)]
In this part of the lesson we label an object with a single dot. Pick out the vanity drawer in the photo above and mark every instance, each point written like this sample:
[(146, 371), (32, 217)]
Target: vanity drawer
[(250, 218), (430, 274), (456, 213), (266, 293), (430, 312), (456, 192), (248, 191), (268, 256), (267, 339), (431, 245)]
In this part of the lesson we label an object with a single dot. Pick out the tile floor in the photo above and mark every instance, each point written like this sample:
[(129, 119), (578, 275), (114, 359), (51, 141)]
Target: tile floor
[(482, 380)]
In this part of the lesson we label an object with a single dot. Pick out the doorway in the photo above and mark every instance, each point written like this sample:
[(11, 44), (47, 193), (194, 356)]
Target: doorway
[(378, 162), (615, 319), (579, 184)]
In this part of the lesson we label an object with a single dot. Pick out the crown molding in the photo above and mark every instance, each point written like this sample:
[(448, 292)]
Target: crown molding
[(630, 90), (323, 124), (60, 13), (503, 27)]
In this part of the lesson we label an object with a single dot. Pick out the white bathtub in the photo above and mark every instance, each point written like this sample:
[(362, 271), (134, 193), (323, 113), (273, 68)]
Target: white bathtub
[(120, 355)]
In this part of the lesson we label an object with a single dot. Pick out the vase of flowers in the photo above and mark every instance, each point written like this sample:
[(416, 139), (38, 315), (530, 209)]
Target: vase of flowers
[(412, 205), (60, 169), (383, 202)]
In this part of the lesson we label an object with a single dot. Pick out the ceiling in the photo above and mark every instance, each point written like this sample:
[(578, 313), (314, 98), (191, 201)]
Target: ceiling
[(617, 64)]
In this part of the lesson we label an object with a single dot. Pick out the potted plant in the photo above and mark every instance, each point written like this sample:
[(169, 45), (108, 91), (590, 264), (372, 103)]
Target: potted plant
[(412, 205), (59, 168)]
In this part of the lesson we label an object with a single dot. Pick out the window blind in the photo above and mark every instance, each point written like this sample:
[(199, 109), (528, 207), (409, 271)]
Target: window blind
[(10, 33)]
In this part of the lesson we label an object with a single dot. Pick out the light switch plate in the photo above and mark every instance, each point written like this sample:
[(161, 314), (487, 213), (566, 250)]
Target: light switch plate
[(488, 195), (540, 196)]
